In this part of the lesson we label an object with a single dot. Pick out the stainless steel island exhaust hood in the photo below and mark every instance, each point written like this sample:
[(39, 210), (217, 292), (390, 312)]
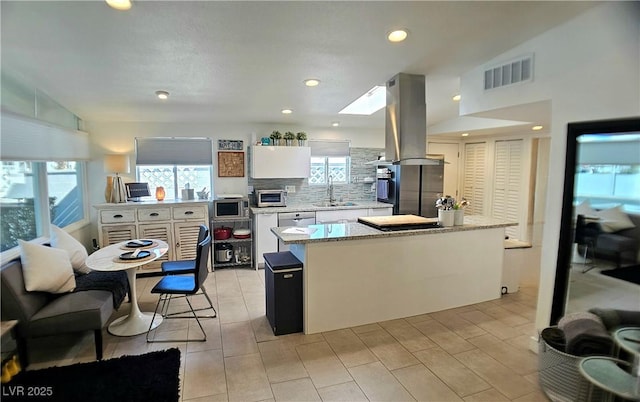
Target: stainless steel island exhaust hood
[(414, 181), (406, 122)]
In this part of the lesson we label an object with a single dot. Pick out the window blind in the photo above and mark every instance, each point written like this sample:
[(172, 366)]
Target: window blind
[(330, 147), (27, 139), (174, 151)]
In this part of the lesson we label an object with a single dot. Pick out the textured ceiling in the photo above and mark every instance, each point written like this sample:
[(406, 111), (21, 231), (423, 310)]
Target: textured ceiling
[(242, 62)]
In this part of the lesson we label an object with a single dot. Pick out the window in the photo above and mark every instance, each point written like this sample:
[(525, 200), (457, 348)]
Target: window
[(335, 166), (606, 185), (174, 178), (35, 192), (329, 158), (175, 162)]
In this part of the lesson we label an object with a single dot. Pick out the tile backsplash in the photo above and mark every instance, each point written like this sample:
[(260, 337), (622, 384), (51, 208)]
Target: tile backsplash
[(356, 189)]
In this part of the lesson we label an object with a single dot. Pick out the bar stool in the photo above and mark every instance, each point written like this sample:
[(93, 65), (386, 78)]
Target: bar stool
[(611, 376)]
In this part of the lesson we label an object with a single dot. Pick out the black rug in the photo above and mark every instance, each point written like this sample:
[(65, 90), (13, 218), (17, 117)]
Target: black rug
[(149, 377), (629, 274)]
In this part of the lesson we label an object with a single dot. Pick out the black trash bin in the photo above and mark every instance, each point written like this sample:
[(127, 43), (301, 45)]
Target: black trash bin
[(283, 282)]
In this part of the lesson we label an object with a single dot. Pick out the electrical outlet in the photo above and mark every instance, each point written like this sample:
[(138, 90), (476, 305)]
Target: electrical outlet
[(249, 189), (290, 189)]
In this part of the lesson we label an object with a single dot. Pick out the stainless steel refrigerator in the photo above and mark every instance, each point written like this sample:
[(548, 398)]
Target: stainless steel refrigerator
[(414, 189)]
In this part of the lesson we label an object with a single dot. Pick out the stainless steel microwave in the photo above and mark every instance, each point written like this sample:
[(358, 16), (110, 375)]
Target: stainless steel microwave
[(271, 198), (230, 208)]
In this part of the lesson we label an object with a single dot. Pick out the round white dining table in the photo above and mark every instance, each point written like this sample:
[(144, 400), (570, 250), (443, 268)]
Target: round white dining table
[(108, 259)]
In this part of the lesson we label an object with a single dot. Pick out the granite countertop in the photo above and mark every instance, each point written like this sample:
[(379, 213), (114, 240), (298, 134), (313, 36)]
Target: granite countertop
[(318, 207), (351, 231)]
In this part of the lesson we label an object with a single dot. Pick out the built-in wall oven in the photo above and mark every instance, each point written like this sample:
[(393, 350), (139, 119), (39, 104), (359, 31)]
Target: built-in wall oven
[(299, 219)]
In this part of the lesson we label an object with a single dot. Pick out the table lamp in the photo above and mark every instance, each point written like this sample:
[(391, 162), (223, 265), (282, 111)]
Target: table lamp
[(116, 163)]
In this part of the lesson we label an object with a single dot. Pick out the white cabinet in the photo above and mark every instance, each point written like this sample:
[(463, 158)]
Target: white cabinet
[(177, 224), (340, 215), (380, 211), (280, 162), (264, 241)]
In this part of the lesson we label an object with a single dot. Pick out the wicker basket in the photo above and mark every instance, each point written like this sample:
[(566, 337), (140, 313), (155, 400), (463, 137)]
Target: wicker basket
[(560, 377)]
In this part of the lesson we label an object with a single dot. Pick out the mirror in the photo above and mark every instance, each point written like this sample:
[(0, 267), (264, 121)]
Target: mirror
[(601, 191)]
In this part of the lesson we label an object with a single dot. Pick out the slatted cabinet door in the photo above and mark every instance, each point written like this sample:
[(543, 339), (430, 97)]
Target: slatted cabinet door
[(160, 231), (187, 232), (117, 233)]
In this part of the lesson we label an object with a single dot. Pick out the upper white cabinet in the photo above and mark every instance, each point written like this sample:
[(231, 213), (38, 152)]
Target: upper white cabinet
[(280, 162)]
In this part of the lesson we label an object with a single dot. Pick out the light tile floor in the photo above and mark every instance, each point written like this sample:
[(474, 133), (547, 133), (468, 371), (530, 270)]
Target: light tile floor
[(472, 353), (592, 289)]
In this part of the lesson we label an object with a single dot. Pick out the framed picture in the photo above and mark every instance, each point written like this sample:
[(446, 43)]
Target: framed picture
[(230, 145), (230, 164)]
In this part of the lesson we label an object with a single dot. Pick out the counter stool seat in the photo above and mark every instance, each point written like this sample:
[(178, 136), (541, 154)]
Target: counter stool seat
[(611, 376)]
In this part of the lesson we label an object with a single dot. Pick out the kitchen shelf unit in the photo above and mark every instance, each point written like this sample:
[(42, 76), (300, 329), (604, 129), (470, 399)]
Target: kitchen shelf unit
[(233, 223)]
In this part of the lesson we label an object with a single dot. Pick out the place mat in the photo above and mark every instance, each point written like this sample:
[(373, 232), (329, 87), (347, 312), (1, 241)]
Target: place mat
[(152, 245), (121, 261)]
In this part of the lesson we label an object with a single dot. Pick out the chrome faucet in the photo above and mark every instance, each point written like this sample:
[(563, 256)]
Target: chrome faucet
[(332, 199)]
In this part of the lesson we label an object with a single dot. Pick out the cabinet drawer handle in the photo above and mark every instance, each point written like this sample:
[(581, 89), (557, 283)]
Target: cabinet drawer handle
[(287, 276), (154, 214), (189, 213), (117, 216)]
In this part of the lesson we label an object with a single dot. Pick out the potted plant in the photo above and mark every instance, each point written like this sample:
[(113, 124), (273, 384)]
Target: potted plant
[(275, 137), (301, 137), (445, 210), (288, 138), (458, 209)]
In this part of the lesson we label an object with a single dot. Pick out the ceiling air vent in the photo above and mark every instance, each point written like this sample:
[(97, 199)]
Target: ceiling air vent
[(518, 70)]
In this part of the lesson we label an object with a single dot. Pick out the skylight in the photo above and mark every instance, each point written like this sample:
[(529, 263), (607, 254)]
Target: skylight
[(369, 103)]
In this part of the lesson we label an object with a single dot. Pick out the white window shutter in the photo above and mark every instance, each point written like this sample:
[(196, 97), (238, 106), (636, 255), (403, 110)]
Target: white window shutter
[(507, 183), (474, 177)]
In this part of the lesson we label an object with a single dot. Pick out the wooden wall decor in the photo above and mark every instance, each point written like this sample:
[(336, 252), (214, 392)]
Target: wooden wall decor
[(230, 164)]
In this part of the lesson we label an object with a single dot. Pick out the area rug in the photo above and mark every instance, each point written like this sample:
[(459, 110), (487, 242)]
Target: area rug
[(629, 274), (150, 377)]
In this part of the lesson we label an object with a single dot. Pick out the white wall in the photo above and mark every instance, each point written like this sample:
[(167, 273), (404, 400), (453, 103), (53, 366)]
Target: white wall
[(590, 69), (118, 137)]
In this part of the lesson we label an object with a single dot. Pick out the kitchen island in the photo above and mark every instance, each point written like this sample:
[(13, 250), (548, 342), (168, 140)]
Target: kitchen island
[(355, 274)]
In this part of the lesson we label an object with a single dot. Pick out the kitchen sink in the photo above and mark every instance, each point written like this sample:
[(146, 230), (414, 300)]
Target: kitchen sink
[(336, 204)]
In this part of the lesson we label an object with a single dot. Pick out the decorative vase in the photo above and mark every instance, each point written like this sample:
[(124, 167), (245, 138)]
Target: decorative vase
[(445, 217), (301, 143), (108, 189), (288, 143), (160, 193), (458, 217)]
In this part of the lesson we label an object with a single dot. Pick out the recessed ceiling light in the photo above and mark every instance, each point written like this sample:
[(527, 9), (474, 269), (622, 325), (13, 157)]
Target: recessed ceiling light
[(536, 128), (119, 4), (397, 35), (369, 103), (465, 134), (335, 123), (456, 98), (287, 111), (311, 82), (162, 94)]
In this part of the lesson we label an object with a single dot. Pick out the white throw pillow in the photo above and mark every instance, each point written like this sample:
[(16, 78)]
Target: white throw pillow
[(584, 209), (613, 220), (46, 269), (77, 253)]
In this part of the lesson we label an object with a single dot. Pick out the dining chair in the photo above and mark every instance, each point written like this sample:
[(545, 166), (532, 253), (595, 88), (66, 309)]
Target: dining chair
[(585, 237), (183, 267), (184, 286), (180, 267)]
